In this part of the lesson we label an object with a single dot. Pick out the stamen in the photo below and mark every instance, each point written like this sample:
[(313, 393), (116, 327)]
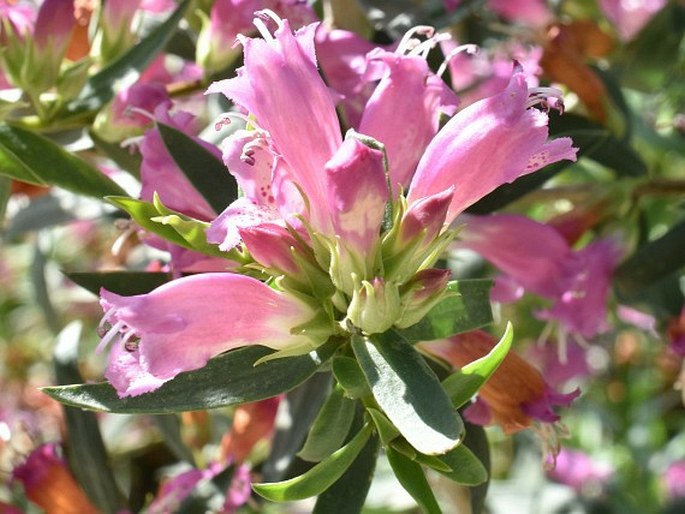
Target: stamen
[(113, 331), (266, 14), (423, 48), (547, 97), (130, 110), (469, 49), (130, 341), (407, 42)]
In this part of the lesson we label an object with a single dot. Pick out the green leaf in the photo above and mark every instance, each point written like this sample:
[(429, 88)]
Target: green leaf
[(386, 430), (204, 171), (330, 427), (401, 382), (86, 451), (125, 70), (229, 379), (410, 475), (142, 213), (466, 468), (350, 376), (125, 283), (193, 231), (32, 158), (5, 192), (465, 383), (125, 158), (348, 493), (477, 441), (466, 309), (402, 446), (651, 262), (320, 477)]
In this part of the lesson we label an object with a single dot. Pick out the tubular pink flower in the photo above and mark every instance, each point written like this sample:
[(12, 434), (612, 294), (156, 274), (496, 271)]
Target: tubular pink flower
[(357, 193), (272, 246), (160, 173), (279, 72), (536, 264), (181, 325), (117, 16), (531, 12), (403, 111), (579, 471), (342, 57), (54, 25), (489, 143), (629, 17)]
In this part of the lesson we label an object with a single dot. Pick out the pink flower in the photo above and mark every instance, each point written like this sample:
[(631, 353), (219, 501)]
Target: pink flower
[(342, 56), (487, 144), (404, 110), (49, 484), (321, 203), (54, 25), (579, 471), (181, 325), (674, 480), (577, 281), (629, 16), (530, 12)]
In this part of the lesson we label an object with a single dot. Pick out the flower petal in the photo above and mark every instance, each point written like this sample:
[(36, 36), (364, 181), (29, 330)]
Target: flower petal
[(181, 325)]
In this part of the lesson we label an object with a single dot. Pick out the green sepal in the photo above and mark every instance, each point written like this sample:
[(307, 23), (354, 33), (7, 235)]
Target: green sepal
[(401, 383), (465, 383), (410, 474), (330, 427), (191, 230), (229, 379), (320, 477), (466, 308)]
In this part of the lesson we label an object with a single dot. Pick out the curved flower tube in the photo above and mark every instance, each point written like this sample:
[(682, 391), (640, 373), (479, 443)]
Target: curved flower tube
[(181, 325)]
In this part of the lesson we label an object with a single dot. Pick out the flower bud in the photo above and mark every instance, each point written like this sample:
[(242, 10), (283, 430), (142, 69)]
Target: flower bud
[(375, 306), (421, 294)]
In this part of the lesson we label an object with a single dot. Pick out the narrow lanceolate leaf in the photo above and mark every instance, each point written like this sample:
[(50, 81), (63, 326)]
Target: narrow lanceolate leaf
[(330, 427), (348, 494), (409, 393), (125, 283), (142, 213), (466, 468), (86, 451), (125, 70), (204, 171), (465, 383), (350, 377), (32, 158), (320, 477), (229, 379), (466, 309), (410, 474)]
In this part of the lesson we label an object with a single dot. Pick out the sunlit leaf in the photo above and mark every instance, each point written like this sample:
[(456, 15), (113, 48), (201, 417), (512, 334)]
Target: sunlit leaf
[(467, 309), (462, 385), (32, 158), (401, 381), (410, 474), (330, 427), (229, 379), (320, 477)]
